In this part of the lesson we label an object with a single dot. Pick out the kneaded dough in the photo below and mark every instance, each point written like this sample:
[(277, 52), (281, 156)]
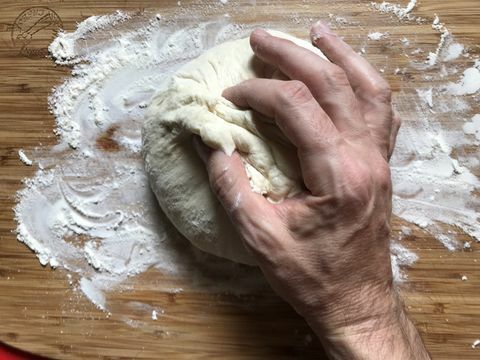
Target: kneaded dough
[(190, 102)]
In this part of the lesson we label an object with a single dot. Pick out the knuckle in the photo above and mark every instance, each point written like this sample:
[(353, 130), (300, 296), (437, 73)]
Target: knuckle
[(397, 122), (382, 92), (382, 177), (360, 190), (368, 182), (384, 228), (338, 76), (294, 92)]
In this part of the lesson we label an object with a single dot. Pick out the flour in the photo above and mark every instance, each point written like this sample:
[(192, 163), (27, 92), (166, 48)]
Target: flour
[(406, 231), (469, 83), (401, 12), (453, 52), (338, 20), (473, 127), (401, 256), (405, 13), (426, 95), (89, 210), (375, 36), (63, 47), (444, 35), (94, 294), (24, 158)]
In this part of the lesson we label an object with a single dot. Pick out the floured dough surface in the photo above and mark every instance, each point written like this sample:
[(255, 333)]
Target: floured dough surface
[(190, 102)]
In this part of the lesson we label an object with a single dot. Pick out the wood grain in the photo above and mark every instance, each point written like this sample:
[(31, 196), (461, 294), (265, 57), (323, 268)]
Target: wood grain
[(39, 311)]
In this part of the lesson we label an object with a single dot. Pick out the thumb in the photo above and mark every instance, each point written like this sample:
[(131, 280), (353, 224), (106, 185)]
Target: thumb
[(396, 123), (251, 213), (230, 182)]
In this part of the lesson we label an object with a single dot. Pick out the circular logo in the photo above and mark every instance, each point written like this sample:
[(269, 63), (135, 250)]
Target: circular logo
[(34, 29)]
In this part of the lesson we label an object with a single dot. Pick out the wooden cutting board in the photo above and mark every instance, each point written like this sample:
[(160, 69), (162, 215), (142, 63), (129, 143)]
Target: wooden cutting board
[(39, 311)]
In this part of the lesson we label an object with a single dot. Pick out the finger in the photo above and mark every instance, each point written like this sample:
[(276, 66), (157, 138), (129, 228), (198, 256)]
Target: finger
[(372, 91), (230, 184), (396, 123), (302, 121), (327, 82), (253, 216), (293, 108)]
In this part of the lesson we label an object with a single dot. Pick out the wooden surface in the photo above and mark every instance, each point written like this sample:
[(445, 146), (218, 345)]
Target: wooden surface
[(39, 312)]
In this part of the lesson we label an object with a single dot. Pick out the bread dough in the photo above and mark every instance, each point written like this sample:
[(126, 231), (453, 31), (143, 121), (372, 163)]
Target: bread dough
[(190, 102)]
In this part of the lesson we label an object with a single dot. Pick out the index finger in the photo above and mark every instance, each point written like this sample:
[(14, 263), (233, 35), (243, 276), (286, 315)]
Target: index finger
[(327, 82), (372, 91), (291, 105), (363, 77)]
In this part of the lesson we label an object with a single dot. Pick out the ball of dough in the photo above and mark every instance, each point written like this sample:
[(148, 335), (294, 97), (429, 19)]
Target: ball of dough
[(190, 102)]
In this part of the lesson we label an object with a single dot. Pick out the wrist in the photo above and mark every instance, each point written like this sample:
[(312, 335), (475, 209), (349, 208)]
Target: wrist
[(387, 333), (351, 311)]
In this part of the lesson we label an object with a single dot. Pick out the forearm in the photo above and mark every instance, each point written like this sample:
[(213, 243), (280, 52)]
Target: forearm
[(325, 250), (389, 336)]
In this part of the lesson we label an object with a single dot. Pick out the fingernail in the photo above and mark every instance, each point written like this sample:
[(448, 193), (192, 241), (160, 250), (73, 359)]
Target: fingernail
[(260, 33), (319, 29), (256, 38)]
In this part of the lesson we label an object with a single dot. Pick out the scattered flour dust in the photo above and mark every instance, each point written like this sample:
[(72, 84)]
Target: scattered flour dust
[(454, 51), (89, 209), (476, 344), (426, 95), (401, 12), (469, 84), (24, 158), (405, 13), (444, 36), (473, 127), (375, 36)]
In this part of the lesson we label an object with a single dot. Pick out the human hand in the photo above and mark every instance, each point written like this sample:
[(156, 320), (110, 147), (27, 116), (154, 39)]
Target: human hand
[(325, 251)]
